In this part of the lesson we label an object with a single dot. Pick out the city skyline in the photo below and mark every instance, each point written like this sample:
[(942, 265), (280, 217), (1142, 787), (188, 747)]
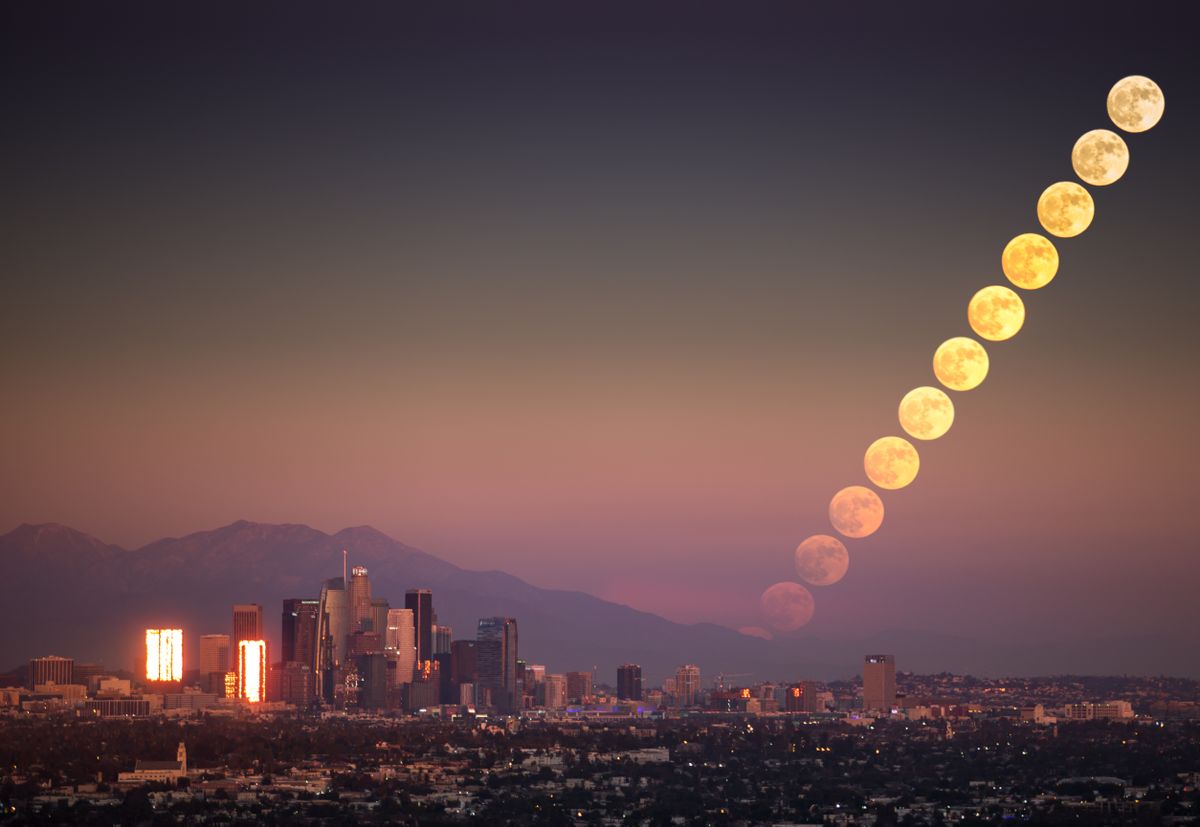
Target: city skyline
[(614, 312)]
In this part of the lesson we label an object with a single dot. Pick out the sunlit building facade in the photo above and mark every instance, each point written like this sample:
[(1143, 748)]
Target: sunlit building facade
[(333, 619), (400, 644), (164, 654), (252, 670)]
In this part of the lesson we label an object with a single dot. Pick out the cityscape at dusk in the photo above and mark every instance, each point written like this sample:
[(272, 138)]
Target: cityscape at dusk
[(658, 413)]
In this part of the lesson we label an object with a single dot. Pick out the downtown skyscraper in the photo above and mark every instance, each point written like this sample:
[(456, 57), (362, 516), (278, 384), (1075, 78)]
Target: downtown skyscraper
[(420, 603), (496, 661)]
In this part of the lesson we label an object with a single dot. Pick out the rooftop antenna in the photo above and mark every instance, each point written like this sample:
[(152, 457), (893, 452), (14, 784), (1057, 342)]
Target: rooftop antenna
[(345, 582)]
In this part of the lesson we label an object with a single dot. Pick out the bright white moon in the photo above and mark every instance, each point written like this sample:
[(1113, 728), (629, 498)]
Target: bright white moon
[(960, 363), (1065, 209), (1100, 157), (787, 606), (822, 560), (1029, 261), (891, 462), (856, 511), (926, 413), (1135, 103), (996, 313)]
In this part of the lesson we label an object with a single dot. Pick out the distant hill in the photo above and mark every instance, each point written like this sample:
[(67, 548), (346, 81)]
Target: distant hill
[(67, 593)]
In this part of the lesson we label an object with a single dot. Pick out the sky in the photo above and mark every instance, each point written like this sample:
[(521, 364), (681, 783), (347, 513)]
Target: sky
[(611, 298)]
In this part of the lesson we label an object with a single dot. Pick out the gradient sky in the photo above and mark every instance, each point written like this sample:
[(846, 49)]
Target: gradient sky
[(610, 300)]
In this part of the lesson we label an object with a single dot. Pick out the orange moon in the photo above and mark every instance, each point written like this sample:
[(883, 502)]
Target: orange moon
[(1029, 261), (856, 511), (891, 462), (787, 606), (822, 560), (1065, 209), (1100, 157), (996, 313), (926, 413), (1135, 103), (960, 363)]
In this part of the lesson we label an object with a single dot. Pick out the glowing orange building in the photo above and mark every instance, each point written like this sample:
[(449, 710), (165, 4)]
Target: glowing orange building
[(252, 670), (164, 654)]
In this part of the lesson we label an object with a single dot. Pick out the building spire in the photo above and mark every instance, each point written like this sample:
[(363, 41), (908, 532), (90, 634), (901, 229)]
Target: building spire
[(345, 582)]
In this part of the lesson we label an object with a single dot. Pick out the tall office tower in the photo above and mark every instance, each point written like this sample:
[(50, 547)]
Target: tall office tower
[(372, 680), (399, 644), (214, 662), (463, 662), (51, 668), (496, 661), (164, 655), (802, 697), (379, 613), (879, 682), (579, 687), (252, 670), (359, 598), (300, 630), (333, 625), (629, 682), (420, 603), (247, 623), (687, 685), (553, 691), (292, 683), (442, 638)]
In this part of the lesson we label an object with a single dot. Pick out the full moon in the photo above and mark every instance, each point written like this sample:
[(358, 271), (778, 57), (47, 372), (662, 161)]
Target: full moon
[(1065, 209), (960, 363), (926, 413), (1029, 261), (822, 560), (891, 462), (1100, 157), (1135, 103), (787, 606), (996, 313), (856, 511)]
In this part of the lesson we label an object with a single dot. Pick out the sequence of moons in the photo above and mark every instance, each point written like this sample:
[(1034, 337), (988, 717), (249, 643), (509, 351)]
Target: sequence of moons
[(1065, 209), (960, 363), (1135, 103), (926, 413), (891, 462), (822, 560), (996, 313), (856, 511), (787, 606), (1100, 157), (1029, 261)]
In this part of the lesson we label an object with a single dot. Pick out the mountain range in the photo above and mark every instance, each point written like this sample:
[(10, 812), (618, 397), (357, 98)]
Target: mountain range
[(68, 593)]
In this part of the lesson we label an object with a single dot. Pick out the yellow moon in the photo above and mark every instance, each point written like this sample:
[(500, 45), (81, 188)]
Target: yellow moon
[(1100, 157), (1029, 261), (960, 363), (926, 413), (856, 511), (822, 560), (891, 462), (1065, 209), (787, 606), (1135, 103), (996, 313)]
